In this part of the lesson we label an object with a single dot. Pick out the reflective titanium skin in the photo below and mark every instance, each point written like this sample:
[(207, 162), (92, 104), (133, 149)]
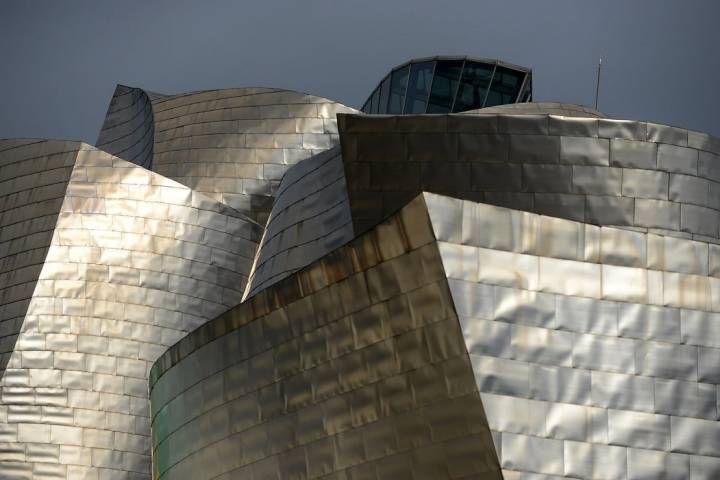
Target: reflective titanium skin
[(310, 218), (593, 346), (129, 128), (233, 145), (595, 356), (135, 261), (353, 367), (550, 311), (33, 178), (652, 177)]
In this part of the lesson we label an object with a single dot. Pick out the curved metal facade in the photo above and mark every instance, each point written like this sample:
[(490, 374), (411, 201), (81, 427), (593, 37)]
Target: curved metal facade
[(233, 145), (135, 261), (129, 128), (549, 311), (449, 84), (351, 368), (33, 177), (310, 218)]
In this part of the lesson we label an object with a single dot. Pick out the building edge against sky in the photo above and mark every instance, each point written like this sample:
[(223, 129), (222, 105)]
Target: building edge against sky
[(548, 311)]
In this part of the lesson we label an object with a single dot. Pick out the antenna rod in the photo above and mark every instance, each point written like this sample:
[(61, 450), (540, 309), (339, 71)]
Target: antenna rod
[(597, 85)]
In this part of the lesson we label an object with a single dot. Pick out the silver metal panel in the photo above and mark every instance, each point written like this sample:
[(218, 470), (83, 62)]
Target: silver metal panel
[(584, 151), (597, 180), (587, 315), (639, 430), (633, 154), (643, 348), (645, 184), (533, 454), (672, 158), (657, 214)]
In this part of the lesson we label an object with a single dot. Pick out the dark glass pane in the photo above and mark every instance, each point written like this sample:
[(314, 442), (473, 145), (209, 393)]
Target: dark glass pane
[(444, 86), (384, 93), (473, 86), (374, 101), (366, 108), (398, 85), (418, 87), (505, 87)]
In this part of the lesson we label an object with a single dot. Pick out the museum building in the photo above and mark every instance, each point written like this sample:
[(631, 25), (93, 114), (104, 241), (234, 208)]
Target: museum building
[(455, 282)]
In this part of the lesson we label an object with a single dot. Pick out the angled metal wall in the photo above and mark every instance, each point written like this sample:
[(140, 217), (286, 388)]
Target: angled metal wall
[(310, 218), (233, 145), (351, 368), (596, 350), (128, 131), (135, 262), (33, 177), (600, 171)]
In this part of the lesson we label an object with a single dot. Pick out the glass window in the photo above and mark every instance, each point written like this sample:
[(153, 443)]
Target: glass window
[(398, 85), (418, 87), (384, 92), (444, 86), (366, 107), (374, 101), (473, 86), (505, 87)]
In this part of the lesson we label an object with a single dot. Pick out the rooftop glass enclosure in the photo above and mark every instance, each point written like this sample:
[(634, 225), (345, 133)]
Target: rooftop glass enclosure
[(449, 84)]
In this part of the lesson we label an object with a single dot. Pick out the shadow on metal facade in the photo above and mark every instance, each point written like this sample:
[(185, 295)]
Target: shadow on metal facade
[(233, 145), (351, 368), (549, 311)]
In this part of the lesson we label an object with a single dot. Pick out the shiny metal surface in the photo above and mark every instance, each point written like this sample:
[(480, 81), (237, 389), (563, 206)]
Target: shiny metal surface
[(33, 178), (540, 108), (129, 128), (594, 170), (607, 374), (131, 262), (370, 330), (233, 145), (353, 366), (310, 218)]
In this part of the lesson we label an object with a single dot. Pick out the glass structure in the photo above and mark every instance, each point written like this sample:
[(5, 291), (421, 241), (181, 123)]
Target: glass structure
[(449, 84)]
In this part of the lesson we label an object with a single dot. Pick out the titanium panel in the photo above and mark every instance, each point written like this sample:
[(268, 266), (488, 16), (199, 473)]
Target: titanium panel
[(381, 374), (606, 172), (310, 218), (135, 261), (33, 177), (129, 128), (233, 145), (618, 369)]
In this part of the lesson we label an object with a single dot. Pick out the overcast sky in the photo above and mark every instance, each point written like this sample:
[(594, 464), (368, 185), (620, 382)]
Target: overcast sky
[(61, 59)]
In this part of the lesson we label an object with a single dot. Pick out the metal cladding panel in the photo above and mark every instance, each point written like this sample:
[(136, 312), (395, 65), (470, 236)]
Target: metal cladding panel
[(310, 218), (235, 145), (129, 128), (134, 263), (353, 367), (595, 349), (592, 170), (33, 177)]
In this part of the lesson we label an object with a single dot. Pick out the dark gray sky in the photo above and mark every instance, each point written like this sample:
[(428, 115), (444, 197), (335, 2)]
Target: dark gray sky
[(62, 59)]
